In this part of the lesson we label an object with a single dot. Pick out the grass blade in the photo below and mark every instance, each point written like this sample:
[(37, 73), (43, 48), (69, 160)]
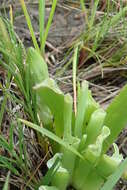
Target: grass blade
[(52, 136), (6, 185), (9, 164), (41, 17), (54, 3), (4, 100), (94, 9), (84, 11), (29, 25)]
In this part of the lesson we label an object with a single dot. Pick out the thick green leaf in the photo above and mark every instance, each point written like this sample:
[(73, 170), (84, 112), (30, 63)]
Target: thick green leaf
[(82, 105), (61, 178), (108, 164), (68, 102), (92, 105), (53, 97), (36, 71), (69, 158), (85, 177), (93, 152), (110, 183), (116, 118), (94, 126), (46, 180), (38, 67)]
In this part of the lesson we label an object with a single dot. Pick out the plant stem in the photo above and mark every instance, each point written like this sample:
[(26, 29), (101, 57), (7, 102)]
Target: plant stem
[(74, 78)]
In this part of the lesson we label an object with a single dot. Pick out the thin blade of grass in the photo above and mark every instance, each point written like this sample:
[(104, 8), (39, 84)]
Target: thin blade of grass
[(18, 78), (4, 100), (54, 3), (20, 131), (11, 137), (6, 185), (4, 37), (41, 17), (94, 9), (11, 14), (28, 20), (84, 11), (8, 163), (3, 109), (4, 144), (52, 136)]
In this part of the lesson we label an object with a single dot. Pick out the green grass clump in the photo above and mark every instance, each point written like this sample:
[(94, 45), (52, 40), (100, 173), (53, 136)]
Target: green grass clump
[(102, 42)]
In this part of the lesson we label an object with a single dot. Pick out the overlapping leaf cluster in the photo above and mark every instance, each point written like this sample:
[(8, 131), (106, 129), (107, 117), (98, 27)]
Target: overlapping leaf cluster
[(83, 138)]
